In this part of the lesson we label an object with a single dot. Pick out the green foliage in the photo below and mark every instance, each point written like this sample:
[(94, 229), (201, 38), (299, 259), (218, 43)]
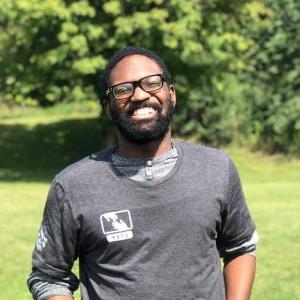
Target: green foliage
[(234, 63), (275, 95)]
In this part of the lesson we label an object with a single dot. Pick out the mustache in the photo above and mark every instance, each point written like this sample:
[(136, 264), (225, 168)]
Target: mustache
[(135, 106)]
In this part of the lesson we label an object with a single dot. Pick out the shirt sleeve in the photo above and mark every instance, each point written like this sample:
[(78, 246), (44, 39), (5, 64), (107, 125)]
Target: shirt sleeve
[(56, 247), (43, 286), (237, 234)]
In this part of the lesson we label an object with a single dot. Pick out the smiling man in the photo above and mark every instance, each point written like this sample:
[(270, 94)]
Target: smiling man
[(143, 122), (151, 217)]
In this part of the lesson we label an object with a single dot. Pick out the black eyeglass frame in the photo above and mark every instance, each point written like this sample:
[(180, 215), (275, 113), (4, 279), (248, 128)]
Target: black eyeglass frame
[(135, 84)]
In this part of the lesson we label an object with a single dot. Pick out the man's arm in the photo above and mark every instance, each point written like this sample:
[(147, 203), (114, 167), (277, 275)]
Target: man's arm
[(239, 275), (55, 249), (237, 240)]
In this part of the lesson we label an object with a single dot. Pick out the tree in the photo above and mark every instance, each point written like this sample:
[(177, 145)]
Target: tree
[(221, 54), (276, 77)]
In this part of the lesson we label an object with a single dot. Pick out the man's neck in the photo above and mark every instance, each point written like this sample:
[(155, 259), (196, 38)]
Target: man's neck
[(152, 149)]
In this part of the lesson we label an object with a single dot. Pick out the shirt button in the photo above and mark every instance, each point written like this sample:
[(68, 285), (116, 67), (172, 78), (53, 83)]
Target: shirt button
[(149, 163), (148, 173)]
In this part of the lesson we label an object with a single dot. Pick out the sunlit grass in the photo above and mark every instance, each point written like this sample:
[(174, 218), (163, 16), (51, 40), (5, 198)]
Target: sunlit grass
[(21, 210), (272, 188), (34, 115)]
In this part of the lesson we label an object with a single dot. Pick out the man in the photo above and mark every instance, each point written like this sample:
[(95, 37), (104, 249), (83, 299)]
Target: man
[(151, 217)]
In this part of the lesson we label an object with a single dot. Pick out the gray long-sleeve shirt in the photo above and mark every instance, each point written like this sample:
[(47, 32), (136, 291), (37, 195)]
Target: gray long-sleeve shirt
[(132, 237)]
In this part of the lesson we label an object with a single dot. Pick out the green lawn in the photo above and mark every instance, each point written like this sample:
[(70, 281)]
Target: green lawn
[(35, 146), (272, 188)]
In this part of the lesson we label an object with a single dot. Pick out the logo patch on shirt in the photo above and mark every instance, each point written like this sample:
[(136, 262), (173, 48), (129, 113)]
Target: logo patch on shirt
[(117, 225)]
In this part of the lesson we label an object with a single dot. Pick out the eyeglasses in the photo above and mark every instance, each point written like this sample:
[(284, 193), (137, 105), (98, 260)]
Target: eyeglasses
[(125, 90)]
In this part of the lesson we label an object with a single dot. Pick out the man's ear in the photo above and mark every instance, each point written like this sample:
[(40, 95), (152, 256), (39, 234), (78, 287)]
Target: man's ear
[(172, 93), (105, 105)]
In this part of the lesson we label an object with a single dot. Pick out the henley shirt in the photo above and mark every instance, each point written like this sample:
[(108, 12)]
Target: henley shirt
[(159, 239)]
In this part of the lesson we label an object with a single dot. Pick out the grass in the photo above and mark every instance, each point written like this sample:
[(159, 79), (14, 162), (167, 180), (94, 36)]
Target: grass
[(272, 189), (36, 144)]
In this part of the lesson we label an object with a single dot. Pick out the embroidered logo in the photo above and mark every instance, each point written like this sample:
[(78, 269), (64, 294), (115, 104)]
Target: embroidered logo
[(117, 225)]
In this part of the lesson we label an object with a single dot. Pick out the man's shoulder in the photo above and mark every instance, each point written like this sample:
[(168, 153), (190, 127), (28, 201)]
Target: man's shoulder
[(210, 164), (86, 166), (201, 152)]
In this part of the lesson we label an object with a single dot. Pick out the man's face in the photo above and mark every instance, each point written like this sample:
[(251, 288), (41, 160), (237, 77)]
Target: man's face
[(145, 116)]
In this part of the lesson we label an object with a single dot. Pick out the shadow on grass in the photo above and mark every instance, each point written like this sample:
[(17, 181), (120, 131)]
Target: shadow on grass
[(38, 153)]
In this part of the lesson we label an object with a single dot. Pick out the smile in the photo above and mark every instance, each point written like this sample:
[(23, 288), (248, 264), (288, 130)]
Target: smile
[(145, 112)]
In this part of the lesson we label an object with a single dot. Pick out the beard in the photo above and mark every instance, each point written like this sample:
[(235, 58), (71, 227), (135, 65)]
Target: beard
[(143, 131)]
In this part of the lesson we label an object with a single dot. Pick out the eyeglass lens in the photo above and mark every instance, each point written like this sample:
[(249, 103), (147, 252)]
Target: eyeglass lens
[(148, 84)]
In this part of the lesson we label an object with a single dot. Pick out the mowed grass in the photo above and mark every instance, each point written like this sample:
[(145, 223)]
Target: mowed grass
[(272, 189), (34, 147)]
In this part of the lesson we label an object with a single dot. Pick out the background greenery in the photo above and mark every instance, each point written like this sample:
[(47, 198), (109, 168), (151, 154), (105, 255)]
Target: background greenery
[(38, 143), (235, 64)]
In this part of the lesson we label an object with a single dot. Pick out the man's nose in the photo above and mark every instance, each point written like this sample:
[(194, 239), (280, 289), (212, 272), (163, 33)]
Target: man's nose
[(139, 95)]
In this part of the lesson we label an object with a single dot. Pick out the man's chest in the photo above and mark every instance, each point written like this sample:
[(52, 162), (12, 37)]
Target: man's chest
[(125, 219)]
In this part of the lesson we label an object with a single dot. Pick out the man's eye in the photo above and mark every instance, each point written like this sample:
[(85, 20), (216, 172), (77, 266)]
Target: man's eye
[(122, 90), (152, 83)]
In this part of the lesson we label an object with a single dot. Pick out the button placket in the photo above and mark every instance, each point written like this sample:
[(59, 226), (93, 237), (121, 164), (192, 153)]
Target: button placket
[(148, 171)]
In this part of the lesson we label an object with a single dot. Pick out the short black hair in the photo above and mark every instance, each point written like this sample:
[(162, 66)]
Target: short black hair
[(128, 51)]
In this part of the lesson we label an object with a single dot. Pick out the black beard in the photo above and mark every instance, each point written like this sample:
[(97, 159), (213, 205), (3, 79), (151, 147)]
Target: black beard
[(143, 131)]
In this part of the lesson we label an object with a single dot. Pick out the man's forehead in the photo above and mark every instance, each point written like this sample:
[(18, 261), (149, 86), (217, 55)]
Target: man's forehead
[(134, 67)]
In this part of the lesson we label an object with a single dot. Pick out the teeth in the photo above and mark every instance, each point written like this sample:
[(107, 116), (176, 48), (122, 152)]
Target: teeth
[(143, 111)]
